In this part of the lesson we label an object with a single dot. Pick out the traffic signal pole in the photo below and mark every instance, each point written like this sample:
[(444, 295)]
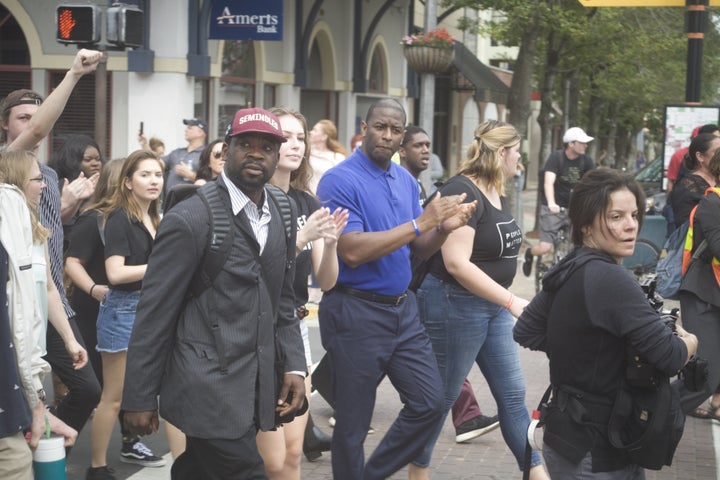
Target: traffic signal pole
[(696, 21), (101, 106)]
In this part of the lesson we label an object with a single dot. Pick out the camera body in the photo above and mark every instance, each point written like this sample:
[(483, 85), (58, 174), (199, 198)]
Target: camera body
[(695, 372)]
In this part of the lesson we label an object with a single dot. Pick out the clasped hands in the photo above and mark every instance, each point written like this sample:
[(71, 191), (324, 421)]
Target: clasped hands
[(325, 225), (446, 213)]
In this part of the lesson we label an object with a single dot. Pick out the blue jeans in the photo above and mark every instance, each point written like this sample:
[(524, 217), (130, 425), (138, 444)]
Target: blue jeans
[(463, 329)]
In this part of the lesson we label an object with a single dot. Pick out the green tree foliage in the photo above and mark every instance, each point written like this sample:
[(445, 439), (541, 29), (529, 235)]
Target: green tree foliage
[(614, 64)]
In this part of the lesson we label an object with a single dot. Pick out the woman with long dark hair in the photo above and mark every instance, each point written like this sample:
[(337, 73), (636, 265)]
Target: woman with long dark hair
[(211, 162)]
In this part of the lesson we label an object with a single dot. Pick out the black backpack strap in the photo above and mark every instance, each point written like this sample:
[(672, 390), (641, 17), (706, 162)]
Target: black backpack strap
[(285, 204), (221, 235), (282, 202), (217, 249)]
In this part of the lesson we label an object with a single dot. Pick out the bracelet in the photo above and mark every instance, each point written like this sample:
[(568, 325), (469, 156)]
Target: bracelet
[(417, 230), (91, 288), (510, 301)]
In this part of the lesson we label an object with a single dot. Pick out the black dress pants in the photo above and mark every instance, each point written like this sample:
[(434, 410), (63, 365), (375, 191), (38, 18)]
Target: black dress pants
[(220, 459), (83, 386)]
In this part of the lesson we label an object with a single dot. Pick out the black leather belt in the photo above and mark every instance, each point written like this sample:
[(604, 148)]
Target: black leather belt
[(372, 297)]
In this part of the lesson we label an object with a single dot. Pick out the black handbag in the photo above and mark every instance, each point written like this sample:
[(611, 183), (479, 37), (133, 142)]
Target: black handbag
[(647, 422)]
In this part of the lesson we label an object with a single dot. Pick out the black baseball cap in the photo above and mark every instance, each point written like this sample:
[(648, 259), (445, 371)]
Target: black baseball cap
[(200, 122)]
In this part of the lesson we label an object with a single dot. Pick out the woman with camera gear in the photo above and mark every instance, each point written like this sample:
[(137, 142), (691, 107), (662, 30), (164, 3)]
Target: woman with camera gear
[(590, 312), (700, 295)]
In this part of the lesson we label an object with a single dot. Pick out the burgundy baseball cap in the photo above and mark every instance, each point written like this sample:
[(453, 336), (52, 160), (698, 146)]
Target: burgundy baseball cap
[(255, 120)]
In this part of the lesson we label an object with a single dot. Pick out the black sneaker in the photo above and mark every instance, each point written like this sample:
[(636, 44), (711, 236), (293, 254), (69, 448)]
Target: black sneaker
[(136, 452), (100, 473), (527, 263), (475, 427)]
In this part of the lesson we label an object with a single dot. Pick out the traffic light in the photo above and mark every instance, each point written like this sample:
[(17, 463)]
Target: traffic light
[(78, 24), (125, 26)]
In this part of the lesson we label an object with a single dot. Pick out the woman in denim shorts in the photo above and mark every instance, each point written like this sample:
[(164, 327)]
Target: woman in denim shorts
[(129, 226)]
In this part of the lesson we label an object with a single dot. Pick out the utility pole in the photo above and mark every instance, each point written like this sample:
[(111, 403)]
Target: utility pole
[(427, 80), (696, 20)]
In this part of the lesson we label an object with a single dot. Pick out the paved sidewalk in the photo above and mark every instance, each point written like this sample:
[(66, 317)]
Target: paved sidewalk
[(486, 457)]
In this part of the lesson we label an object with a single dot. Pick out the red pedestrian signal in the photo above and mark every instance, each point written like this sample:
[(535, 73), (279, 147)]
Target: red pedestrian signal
[(78, 24)]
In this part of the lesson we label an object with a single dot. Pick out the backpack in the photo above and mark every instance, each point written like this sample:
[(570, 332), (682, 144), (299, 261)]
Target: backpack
[(216, 253), (668, 272), (221, 232), (688, 255)]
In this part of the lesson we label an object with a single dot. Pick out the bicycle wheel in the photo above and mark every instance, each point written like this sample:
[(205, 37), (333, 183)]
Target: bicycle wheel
[(562, 245), (540, 269), (644, 258)]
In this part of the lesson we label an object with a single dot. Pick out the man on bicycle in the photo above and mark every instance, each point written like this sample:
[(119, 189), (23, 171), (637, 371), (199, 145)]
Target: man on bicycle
[(562, 171)]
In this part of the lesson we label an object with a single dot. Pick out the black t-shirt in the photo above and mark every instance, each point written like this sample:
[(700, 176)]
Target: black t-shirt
[(686, 193), (306, 205), (497, 236), (129, 239), (568, 173), (86, 245)]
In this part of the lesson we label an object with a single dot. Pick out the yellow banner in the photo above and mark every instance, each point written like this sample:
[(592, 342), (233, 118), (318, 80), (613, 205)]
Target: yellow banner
[(639, 3)]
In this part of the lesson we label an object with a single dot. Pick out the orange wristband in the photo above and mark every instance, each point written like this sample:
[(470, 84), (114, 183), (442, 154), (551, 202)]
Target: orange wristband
[(510, 301)]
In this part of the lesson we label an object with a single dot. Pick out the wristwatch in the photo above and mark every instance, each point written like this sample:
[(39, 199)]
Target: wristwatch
[(41, 395)]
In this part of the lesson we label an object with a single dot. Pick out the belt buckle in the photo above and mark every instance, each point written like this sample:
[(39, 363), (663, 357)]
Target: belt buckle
[(400, 299)]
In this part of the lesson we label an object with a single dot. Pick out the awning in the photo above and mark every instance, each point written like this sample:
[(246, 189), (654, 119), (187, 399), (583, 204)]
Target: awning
[(488, 87)]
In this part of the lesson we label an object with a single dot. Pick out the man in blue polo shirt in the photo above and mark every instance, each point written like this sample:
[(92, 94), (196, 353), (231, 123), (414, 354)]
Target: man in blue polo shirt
[(369, 322)]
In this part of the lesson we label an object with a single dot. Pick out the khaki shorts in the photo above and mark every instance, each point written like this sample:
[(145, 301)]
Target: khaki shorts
[(551, 223), (15, 458)]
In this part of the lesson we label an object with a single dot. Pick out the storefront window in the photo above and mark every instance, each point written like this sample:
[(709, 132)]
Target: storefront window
[(376, 81), (237, 82)]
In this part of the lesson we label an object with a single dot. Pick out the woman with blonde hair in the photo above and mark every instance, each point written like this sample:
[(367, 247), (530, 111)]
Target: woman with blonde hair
[(465, 302), (325, 151), (21, 168), (316, 250), (129, 223)]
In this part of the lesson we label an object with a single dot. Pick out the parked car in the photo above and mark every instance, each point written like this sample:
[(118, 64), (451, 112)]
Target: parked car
[(650, 178)]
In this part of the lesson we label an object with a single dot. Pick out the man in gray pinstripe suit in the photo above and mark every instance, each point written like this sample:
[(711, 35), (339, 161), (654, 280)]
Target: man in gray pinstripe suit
[(174, 350)]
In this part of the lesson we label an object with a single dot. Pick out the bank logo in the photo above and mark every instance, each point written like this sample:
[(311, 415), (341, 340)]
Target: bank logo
[(262, 23), (247, 20)]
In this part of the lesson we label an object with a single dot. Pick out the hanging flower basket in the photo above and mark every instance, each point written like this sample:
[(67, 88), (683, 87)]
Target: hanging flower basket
[(430, 52), (426, 59)]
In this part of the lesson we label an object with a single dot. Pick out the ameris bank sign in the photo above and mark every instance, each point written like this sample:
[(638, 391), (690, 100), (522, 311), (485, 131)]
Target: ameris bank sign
[(246, 20)]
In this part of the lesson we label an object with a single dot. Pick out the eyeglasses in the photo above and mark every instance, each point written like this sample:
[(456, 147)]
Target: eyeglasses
[(217, 154)]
